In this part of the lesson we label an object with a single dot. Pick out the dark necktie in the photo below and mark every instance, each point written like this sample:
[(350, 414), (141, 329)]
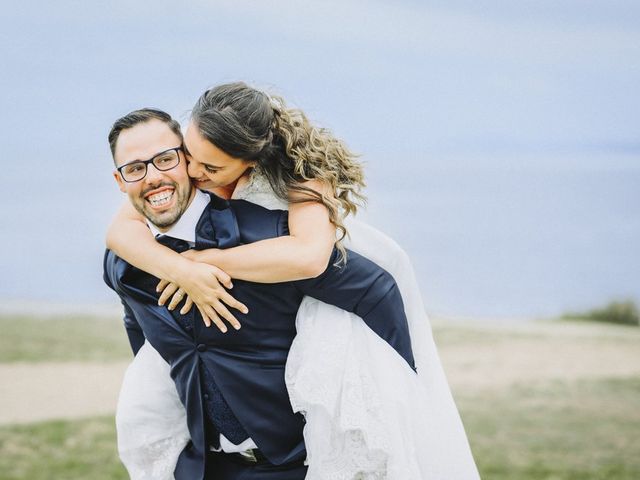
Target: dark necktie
[(173, 243)]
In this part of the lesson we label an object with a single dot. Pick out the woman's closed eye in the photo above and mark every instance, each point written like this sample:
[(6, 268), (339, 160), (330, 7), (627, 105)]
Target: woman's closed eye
[(210, 169)]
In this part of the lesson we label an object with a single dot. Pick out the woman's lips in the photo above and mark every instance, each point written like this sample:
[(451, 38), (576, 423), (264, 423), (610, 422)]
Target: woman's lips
[(203, 184)]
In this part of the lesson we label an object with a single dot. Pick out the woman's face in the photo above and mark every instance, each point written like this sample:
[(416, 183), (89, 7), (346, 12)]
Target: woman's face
[(210, 167)]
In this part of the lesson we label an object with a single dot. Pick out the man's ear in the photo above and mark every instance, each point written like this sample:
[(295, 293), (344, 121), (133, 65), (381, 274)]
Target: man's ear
[(119, 181)]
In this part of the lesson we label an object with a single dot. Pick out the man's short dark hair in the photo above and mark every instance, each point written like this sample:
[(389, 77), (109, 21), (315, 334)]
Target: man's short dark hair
[(136, 117)]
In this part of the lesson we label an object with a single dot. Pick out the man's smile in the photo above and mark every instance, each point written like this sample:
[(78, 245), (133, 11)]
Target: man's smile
[(160, 198)]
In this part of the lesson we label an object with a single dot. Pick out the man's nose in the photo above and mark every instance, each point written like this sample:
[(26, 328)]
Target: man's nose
[(153, 174)]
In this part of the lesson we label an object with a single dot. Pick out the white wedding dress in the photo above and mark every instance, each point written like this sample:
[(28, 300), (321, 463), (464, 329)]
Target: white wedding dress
[(368, 415)]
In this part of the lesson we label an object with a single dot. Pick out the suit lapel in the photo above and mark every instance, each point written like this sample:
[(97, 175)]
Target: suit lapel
[(218, 226)]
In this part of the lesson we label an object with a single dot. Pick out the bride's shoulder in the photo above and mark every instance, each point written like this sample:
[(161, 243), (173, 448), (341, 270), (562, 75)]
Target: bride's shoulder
[(257, 189)]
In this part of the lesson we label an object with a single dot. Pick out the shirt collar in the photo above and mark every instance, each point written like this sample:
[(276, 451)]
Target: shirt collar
[(185, 227)]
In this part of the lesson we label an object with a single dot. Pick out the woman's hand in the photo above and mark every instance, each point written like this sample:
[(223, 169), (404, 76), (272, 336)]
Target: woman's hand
[(203, 285)]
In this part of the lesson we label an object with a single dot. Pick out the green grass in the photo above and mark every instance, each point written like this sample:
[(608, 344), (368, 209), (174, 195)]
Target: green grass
[(32, 339), (581, 430), (61, 450), (586, 430), (623, 312)]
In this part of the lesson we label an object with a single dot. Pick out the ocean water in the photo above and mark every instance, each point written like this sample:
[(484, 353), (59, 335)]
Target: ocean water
[(486, 241), (518, 243)]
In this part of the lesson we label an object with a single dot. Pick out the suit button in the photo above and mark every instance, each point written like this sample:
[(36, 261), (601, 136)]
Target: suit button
[(206, 396), (201, 347)]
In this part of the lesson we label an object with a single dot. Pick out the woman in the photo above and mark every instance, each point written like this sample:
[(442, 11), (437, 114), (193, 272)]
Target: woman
[(368, 415)]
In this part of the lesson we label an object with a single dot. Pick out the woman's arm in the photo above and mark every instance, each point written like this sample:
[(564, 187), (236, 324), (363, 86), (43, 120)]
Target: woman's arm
[(130, 238), (304, 253)]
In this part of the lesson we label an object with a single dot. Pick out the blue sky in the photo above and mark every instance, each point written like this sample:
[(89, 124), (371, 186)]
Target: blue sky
[(424, 90), (458, 75)]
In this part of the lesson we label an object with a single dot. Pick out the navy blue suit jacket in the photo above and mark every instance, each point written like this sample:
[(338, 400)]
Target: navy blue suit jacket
[(248, 365)]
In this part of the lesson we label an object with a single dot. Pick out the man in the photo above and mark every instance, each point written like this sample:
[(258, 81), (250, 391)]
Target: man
[(232, 385)]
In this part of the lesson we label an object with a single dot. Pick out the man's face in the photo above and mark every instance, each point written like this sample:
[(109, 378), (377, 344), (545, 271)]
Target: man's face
[(162, 197)]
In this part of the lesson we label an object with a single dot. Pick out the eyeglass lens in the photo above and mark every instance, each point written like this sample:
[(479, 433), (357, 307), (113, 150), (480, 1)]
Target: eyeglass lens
[(137, 170)]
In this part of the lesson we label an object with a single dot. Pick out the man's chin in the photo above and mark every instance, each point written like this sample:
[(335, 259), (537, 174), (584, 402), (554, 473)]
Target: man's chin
[(161, 220), (162, 217)]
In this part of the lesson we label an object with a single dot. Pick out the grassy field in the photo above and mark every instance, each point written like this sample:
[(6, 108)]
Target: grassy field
[(583, 430), (61, 450), (29, 339), (532, 428)]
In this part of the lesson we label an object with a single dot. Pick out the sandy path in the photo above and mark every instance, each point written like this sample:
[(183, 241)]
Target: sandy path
[(475, 357), (30, 392), (498, 357)]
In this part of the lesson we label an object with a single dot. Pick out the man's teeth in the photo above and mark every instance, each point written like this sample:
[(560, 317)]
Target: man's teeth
[(160, 199)]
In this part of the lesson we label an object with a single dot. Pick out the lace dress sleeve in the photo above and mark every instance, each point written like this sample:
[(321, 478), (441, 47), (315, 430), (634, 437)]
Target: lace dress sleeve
[(258, 190)]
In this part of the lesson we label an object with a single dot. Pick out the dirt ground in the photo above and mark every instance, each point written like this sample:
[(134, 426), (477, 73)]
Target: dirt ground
[(474, 356), (499, 357), (30, 392)]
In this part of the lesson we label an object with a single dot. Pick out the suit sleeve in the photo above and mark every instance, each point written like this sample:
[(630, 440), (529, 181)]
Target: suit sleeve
[(134, 331), (131, 324), (364, 288)]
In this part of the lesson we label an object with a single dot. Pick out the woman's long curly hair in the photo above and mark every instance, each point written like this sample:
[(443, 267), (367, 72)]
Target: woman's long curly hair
[(248, 124)]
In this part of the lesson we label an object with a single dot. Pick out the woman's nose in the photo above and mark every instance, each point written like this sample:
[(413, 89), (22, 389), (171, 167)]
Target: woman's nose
[(193, 169)]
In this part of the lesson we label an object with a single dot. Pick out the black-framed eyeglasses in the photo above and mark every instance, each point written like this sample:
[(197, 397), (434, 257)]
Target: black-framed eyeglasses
[(163, 161)]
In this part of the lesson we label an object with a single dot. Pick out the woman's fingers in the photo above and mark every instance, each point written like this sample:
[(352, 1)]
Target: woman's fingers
[(204, 316), (162, 284), (188, 303), (226, 314), (208, 309), (167, 293), (223, 278), (176, 299), (210, 316), (233, 303)]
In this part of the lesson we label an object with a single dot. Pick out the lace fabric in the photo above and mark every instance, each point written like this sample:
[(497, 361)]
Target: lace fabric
[(368, 415), (258, 190), (154, 460), (150, 419)]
